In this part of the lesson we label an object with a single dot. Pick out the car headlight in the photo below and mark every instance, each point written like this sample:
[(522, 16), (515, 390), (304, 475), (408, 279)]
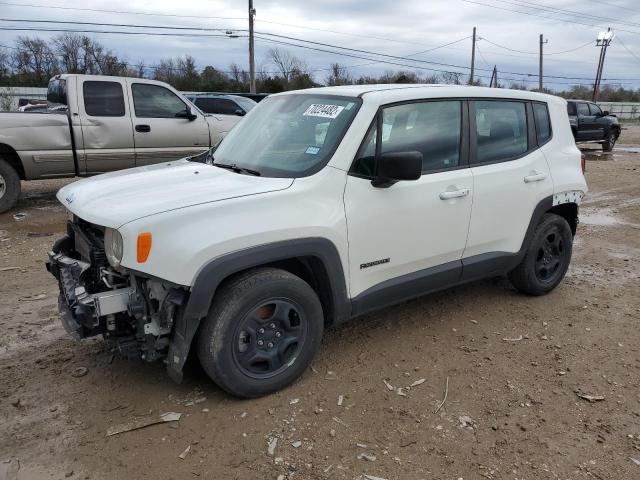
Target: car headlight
[(113, 246)]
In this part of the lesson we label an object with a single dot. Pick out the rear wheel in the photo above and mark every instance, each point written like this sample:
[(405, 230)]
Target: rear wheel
[(262, 332), (610, 140), (9, 186), (547, 257)]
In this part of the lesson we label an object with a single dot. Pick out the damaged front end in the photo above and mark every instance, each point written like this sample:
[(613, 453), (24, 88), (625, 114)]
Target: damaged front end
[(134, 312)]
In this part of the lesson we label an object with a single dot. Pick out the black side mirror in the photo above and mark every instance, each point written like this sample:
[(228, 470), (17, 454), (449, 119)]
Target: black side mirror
[(397, 166), (239, 112), (606, 113)]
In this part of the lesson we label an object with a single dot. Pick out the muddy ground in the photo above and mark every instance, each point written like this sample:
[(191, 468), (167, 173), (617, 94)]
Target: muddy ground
[(515, 367)]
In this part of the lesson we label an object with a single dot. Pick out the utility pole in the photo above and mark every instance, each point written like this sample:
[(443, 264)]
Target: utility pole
[(540, 83), (603, 41), (252, 60), (473, 56), (494, 77)]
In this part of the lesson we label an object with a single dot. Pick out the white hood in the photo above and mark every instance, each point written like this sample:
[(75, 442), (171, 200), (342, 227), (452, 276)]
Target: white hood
[(113, 199)]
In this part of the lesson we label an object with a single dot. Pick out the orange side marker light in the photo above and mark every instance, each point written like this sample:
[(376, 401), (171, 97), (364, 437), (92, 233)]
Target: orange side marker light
[(144, 246)]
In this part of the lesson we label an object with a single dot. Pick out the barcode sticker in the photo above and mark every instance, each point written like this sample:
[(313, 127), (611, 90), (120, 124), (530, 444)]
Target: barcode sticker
[(321, 110)]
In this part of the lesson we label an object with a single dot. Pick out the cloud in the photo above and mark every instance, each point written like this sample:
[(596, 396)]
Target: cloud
[(400, 27)]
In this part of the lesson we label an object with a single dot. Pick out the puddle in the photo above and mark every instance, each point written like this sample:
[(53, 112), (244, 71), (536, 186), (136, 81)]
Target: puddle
[(599, 217), (628, 149)]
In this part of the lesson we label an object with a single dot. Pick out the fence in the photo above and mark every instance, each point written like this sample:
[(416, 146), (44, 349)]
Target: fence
[(624, 110)]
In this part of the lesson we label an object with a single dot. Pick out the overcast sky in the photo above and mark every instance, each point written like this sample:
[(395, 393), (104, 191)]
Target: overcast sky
[(396, 27)]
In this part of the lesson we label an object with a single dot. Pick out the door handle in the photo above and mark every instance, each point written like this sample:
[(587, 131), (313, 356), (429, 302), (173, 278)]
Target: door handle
[(143, 128), (535, 177), (446, 195)]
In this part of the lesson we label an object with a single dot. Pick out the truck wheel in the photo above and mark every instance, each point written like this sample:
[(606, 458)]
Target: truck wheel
[(262, 332), (609, 141), (547, 257), (9, 186)]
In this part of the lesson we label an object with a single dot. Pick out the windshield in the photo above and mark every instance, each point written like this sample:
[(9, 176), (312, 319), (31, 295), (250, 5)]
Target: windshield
[(246, 103), (289, 135)]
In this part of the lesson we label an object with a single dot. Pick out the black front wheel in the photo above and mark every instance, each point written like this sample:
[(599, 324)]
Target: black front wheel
[(547, 257), (262, 332)]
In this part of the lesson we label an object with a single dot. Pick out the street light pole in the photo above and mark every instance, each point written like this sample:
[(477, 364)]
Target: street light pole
[(604, 40), (252, 61)]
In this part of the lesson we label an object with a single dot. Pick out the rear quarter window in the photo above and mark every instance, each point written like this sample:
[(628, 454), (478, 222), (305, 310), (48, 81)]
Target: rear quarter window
[(543, 123)]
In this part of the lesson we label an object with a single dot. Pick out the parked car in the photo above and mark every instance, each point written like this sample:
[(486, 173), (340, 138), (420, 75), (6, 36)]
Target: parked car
[(111, 123), (322, 205), (228, 109), (590, 123)]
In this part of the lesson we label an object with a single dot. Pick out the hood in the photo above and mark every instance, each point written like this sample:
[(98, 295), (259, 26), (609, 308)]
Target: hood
[(116, 198)]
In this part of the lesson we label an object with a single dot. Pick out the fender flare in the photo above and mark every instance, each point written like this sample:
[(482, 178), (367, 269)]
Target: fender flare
[(216, 271)]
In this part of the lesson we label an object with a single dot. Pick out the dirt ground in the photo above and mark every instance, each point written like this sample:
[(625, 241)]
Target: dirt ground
[(514, 365)]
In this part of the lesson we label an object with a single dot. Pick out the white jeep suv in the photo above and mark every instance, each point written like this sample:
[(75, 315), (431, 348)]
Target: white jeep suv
[(320, 205)]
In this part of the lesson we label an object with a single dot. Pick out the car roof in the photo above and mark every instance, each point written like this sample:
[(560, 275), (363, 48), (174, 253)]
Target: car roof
[(399, 92)]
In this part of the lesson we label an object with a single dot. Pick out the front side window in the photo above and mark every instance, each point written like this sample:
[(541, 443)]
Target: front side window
[(154, 101), (583, 109), (543, 126), (595, 109), (501, 130), (103, 99), (431, 128), (289, 135)]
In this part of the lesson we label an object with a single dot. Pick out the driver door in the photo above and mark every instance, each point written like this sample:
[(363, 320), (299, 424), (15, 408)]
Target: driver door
[(159, 133), (409, 237)]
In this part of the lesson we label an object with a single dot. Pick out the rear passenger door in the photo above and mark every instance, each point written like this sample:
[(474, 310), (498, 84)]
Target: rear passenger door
[(106, 143), (510, 175), (161, 132)]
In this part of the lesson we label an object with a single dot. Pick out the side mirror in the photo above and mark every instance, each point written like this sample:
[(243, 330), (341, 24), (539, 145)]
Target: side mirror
[(606, 113), (187, 113), (397, 166), (239, 112)]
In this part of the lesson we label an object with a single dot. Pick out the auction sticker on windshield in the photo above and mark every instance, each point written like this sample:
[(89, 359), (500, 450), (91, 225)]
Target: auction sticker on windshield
[(322, 110)]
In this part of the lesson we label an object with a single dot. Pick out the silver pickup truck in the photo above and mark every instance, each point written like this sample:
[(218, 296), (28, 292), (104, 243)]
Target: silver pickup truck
[(109, 123)]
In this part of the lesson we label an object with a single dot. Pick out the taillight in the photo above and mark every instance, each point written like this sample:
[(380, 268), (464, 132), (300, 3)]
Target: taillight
[(583, 162)]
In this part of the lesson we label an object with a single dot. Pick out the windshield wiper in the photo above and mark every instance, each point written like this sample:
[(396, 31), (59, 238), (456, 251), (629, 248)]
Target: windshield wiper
[(235, 168)]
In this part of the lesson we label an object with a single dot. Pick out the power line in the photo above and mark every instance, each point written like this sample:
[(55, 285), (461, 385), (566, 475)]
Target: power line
[(627, 48), (575, 22), (360, 51), (537, 53), (306, 27), (562, 11)]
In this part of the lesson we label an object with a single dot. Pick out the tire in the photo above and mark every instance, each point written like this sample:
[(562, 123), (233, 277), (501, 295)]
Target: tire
[(610, 140), (9, 186), (265, 305), (547, 257)]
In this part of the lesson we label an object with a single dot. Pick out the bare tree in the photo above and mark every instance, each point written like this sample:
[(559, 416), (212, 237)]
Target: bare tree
[(338, 75), (451, 78), (287, 64), (34, 60)]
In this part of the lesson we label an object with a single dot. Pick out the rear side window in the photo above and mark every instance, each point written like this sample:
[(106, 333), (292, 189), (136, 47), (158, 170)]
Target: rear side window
[(583, 109), (543, 125), (501, 130), (103, 99), (431, 128), (220, 106), (571, 108), (154, 101)]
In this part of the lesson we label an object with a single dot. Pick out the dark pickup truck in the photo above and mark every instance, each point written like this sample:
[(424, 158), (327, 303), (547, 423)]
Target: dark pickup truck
[(590, 124)]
